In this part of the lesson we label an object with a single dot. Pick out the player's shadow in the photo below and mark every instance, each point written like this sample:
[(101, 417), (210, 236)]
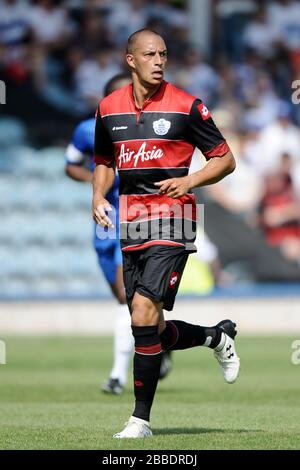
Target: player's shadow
[(168, 431)]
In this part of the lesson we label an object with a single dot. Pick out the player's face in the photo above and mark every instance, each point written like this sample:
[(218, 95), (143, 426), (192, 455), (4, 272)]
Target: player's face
[(148, 59)]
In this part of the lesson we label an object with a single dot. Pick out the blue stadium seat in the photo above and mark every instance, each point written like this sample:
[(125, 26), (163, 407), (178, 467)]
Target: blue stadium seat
[(46, 228), (12, 132)]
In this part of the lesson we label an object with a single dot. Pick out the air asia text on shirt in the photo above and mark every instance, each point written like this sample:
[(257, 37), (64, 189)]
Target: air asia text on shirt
[(143, 155)]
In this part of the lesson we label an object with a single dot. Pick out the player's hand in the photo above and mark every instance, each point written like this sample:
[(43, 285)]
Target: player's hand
[(174, 187), (100, 207)]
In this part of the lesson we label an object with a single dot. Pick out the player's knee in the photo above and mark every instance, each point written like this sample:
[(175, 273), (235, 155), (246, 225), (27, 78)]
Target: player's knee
[(144, 312)]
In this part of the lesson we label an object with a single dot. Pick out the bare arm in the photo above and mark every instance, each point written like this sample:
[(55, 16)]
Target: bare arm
[(79, 173), (216, 169), (103, 179)]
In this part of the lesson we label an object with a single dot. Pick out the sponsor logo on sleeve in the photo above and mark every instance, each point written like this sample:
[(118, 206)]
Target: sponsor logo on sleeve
[(205, 113)]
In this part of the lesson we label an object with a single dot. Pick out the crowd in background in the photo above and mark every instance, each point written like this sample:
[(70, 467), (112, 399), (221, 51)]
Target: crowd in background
[(63, 52)]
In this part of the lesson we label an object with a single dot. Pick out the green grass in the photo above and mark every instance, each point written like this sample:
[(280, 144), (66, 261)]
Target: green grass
[(49, 398)]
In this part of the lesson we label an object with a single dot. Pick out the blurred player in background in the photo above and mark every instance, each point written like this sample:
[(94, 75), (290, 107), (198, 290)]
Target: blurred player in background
[(80, 166)]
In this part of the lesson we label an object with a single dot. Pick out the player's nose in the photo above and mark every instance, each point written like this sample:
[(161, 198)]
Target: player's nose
[(158, 59)]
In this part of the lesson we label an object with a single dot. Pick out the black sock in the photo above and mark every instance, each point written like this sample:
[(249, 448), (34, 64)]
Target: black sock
[(181, 335), (146, 366)]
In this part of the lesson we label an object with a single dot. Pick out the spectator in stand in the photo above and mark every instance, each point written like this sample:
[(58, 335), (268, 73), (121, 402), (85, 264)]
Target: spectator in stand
[(279, 211), (284, 18), (232, 16), (197, 77), (52, 28), (167, 13), (231, 194), (94, 34), (14, 39), (125, 18), (259, 35), (262, 107), (92, 74), (277, 138), (51, 24)]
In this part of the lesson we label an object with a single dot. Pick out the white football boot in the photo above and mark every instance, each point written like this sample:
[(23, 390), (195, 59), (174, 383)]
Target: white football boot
[(135, 428), (225, 352)]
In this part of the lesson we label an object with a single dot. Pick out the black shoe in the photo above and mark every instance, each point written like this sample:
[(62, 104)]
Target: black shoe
[(228, 327), (113, 386), (166, 365)]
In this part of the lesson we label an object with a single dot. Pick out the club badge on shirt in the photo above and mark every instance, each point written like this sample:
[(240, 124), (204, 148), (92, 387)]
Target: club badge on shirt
[(161, 127)]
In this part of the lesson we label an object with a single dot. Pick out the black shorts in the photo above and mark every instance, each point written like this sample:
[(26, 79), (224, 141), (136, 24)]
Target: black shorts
[(154, 273)]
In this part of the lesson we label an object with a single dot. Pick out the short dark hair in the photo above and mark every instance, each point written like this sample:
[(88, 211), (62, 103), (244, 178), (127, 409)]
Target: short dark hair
[(133, 37), (109, 87)]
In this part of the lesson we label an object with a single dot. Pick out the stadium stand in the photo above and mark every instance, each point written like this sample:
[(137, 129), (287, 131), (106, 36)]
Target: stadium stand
[(46, 229), (52, 79)]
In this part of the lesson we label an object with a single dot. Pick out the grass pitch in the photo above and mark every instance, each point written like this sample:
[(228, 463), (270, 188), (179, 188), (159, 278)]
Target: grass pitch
[(50, 399)]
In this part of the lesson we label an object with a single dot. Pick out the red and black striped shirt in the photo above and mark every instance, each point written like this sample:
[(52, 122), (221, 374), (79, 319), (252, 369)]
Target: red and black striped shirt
[(151, 145)]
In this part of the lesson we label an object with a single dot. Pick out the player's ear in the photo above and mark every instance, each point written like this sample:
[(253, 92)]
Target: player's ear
[(130, 61)]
